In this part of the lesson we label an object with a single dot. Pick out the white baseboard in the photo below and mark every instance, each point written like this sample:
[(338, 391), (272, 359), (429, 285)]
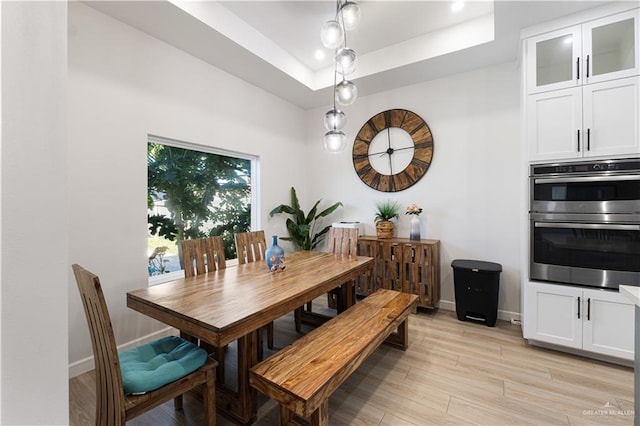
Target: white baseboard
[(87, 364), (502, 315)]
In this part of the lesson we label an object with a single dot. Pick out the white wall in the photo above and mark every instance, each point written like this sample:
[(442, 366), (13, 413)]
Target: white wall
[(471, 192), (124, 85), (34, 258)]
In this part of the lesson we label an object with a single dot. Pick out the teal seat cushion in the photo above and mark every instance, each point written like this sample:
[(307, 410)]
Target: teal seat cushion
[(153, 365)]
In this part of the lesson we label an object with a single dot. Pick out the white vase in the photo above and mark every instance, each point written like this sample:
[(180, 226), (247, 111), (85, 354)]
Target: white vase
[(414, 234)]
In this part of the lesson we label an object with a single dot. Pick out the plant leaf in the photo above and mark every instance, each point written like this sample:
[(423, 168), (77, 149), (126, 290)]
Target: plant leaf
[(295, 204), (282, 208), (329, 210)]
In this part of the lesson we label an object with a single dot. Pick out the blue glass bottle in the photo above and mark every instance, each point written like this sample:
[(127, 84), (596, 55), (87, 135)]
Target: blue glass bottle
[(274, 256)]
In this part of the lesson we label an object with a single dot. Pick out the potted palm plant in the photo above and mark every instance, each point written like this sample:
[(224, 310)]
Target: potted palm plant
[(385, 211), (301, 226)]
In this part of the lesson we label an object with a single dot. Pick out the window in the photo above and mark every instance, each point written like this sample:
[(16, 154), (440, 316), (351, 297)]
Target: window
[(195, 192)]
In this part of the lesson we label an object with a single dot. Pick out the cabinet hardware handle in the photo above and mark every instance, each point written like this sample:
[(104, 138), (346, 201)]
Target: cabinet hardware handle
[(578, 307), (578, 140), (587, 70), (589, 309), (588, 139), (578, 68)]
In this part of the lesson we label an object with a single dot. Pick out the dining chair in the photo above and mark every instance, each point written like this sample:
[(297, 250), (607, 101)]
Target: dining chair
[(202, 255), (132, 382), (343, 241), (199, 256), (250, 247)]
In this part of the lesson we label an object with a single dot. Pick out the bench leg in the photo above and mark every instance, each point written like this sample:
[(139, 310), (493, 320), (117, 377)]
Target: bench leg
[(403, 332), (287, 416), (320, 417), (400, 339)]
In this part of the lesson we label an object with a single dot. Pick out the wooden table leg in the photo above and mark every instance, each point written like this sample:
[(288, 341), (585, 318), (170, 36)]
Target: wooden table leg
[(241, 406), (247, 358), (347, 296)]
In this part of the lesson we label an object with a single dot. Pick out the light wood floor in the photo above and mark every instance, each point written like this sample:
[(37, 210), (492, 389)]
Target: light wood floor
[(453, 373)]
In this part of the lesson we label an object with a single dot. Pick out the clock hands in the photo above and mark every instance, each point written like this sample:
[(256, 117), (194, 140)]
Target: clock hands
[(389, 151)]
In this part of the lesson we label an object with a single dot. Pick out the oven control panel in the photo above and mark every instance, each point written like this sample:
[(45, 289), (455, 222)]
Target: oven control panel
[(624, 166)]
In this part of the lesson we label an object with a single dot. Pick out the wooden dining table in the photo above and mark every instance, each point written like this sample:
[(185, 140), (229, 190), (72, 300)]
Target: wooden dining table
[(231, 304)]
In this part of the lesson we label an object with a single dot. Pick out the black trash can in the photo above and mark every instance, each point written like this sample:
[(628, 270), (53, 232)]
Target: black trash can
[(477, 285)]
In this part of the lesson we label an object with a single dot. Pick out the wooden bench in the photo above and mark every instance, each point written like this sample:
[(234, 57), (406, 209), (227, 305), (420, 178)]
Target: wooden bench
[(302, 376)]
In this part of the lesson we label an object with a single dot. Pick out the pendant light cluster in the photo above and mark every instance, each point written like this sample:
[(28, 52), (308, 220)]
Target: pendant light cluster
[(334, 36)]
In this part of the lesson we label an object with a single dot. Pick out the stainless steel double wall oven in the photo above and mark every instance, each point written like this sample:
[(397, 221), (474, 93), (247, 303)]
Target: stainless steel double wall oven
[(585, 223)]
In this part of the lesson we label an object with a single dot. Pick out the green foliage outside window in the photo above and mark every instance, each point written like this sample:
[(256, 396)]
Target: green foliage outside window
[(205, 195)]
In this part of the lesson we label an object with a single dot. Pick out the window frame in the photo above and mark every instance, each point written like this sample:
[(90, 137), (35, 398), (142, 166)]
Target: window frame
[(254, 182)]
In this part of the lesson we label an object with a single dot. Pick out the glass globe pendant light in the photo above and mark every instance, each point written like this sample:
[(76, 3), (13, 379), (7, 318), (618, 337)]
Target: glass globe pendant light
[(335, 141), (346, 93), (334, 119), (346, 60), (350, 12), (332, 34)]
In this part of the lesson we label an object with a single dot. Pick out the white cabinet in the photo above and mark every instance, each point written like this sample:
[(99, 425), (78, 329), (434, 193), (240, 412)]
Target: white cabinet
[(554, 120), (596, 120), (595, 51), (553, 60), (599, 321), (611, 118)]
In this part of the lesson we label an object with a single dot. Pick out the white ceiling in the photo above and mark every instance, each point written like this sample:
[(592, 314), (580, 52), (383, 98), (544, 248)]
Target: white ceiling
[(271, 44), (295, 25)]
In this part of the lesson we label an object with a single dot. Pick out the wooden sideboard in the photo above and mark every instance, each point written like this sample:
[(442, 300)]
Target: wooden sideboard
[(410, 266)]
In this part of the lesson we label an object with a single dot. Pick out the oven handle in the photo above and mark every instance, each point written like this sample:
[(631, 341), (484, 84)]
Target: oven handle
[(613, 227), (587, 179)]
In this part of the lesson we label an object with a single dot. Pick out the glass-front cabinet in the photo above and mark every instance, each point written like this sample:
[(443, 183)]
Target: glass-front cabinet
[(599, 50), (553, 60)]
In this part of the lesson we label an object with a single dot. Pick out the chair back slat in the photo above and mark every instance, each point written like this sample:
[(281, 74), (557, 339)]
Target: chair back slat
[(110, 401), (250, 246), (202, 255), (343, 241)]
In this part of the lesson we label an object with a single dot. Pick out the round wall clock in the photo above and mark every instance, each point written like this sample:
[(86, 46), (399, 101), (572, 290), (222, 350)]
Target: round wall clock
[(393, 150)]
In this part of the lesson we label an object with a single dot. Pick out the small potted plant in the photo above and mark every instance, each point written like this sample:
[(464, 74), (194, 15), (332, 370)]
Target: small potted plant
[(385, 211)]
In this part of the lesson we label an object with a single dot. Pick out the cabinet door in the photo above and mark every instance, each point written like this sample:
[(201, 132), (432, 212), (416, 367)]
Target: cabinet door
[(390, 258), (554, 123), (608, 324), (370, 282), (554, 314), (611, 117), (553, 60), (419, 275), (611, 47)]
